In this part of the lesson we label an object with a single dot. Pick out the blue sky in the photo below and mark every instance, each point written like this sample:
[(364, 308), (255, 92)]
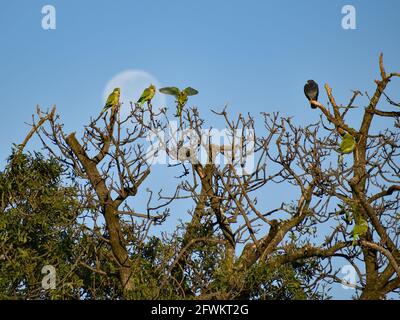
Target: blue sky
[(252, 55)]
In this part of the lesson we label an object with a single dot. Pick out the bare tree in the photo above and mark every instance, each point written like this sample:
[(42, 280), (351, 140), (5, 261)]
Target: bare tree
[(355, 198), (109, 159)]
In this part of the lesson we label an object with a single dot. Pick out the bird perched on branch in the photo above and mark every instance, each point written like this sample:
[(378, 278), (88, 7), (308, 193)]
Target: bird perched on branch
[(311, 91), (147, 95), (112, 100), (348, 143), (346, 146), (180, 96)]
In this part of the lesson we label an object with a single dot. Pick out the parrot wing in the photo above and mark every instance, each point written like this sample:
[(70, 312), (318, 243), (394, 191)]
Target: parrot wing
[(173, 91), (190, 91), (145, 95), (112, 100)]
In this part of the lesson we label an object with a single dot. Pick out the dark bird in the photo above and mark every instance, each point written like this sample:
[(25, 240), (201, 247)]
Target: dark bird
[(311, 91)]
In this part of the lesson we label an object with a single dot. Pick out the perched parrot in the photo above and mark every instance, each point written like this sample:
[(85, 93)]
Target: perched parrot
[(112, 100), (346, 146), (360, 228), (348, 143), (147, 95), (180, 96), (311, 91)]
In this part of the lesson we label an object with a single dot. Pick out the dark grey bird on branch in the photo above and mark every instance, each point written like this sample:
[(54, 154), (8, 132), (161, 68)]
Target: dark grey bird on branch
[(311, 91)]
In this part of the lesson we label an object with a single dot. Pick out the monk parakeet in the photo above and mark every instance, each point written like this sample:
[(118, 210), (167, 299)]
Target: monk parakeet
[(112, 100), (348, 143), (346, 146), (180, 96), (147, 95), (311, 91), (360, 228)]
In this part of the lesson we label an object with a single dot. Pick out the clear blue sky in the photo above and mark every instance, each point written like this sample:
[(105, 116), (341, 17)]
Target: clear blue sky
[(253, 55)]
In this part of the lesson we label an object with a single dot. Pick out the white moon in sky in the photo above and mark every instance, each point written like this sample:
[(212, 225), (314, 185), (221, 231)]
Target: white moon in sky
[(132, 83)]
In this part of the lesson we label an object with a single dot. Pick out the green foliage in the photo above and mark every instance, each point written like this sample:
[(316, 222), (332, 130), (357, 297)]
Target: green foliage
[(37, 226), (40, 225), (270, 282)]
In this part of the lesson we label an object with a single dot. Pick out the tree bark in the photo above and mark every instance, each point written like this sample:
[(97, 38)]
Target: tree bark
[(110, 210)]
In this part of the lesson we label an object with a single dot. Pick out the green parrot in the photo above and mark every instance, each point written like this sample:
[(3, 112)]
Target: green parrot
[(360, 228), (112, 100), (180, 96), (348, 143), (347, 146), (147, 95)]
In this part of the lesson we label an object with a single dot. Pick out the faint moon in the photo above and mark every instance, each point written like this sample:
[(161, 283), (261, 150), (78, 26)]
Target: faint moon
[(132, 83)]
